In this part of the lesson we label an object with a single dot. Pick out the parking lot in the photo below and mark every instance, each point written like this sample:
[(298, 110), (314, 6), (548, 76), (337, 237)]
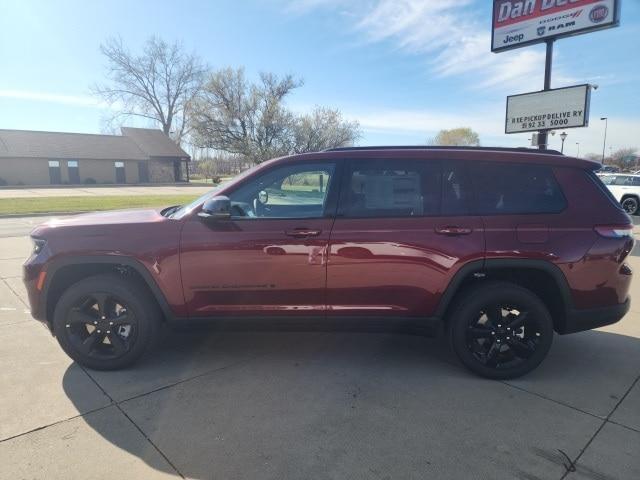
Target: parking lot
[(218, 405)]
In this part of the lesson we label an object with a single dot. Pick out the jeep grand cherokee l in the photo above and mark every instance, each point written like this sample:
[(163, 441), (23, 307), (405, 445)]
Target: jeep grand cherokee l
[(495, 245)]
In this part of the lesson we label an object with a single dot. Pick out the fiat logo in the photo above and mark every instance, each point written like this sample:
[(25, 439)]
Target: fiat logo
[(598, 13)]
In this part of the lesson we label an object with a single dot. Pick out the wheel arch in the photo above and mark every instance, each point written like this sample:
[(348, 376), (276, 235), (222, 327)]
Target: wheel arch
[(63, 273), (543, 278)]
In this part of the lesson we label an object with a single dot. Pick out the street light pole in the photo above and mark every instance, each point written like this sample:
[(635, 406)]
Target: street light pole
[(604, 145), (563, 137)]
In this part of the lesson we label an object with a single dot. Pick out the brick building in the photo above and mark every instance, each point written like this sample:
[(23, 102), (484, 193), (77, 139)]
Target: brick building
[(139, 155)]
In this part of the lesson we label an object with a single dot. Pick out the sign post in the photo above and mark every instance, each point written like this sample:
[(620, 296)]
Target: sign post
[(543, 135), (518, 23)]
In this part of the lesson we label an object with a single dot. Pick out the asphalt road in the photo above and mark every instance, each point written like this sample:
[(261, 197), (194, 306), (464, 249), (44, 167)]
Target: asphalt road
[(208, 405)]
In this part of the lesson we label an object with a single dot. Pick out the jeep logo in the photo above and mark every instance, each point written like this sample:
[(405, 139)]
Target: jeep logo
[(513, 38)]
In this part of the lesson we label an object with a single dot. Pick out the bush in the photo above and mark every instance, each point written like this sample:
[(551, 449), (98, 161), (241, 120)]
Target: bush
[(3, 182), (90, 181)]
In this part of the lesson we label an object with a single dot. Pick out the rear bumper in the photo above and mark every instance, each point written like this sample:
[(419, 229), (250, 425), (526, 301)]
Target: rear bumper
[(580, 320)]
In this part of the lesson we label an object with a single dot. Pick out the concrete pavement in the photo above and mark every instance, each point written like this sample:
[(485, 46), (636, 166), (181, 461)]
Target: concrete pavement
[(207, 405)]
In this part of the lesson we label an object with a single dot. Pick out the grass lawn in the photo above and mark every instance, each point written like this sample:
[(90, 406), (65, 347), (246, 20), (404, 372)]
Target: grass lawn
[(88, 204)]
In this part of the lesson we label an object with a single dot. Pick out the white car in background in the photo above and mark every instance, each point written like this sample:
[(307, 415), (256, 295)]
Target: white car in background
[(625, 188)]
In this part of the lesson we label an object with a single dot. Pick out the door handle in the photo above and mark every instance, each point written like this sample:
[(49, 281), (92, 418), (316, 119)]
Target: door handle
[(453, 230), (302, 232)]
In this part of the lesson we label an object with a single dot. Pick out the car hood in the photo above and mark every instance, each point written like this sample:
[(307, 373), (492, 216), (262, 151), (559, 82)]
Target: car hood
[(101, 219)]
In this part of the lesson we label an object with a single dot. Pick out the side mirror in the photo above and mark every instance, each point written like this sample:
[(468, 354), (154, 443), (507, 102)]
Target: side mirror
[(216, 208)]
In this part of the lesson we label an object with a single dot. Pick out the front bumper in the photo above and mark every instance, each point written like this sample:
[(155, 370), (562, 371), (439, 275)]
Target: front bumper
[(587, 319)]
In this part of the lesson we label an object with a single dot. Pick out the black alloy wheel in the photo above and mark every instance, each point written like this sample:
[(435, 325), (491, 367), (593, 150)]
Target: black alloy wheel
[(503, 337), (106, 322), (630, 205), (101, 326), (500, 330)]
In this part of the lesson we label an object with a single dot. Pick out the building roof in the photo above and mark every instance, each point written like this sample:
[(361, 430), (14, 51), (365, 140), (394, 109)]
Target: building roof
[(153, 142), (60, 145)]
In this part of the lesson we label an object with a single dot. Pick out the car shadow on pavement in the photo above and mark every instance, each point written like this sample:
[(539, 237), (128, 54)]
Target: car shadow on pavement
[(355, 405)]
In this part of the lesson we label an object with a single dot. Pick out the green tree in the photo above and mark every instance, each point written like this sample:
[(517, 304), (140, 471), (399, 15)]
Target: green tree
[(459, 137)]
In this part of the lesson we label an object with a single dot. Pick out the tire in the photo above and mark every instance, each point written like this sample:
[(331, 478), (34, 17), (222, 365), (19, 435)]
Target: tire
[(500, 330), (630, 205), (106, 322)]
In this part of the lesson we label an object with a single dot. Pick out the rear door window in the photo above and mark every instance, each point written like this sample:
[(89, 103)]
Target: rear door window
[(623, 181), (404, 188), (502, 188)]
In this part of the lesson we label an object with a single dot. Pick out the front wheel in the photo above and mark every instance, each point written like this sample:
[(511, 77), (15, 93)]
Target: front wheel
[(500, 330), (630, 205), (105, 322)]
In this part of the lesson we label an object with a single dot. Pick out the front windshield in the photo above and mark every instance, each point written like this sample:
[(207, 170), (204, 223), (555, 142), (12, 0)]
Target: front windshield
[(186, 209)]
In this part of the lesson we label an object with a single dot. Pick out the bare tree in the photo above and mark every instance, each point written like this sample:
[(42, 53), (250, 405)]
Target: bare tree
[(624, 157), (250, 119), (160, 84), (463, 137), (594, 157)]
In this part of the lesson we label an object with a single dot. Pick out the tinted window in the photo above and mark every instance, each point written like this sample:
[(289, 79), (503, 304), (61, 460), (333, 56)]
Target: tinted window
[(608, 179), (514, 189), (403, 188), (291, 191), (625, 181)]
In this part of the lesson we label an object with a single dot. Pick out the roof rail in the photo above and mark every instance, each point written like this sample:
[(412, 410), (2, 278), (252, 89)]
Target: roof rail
[(429, 147)]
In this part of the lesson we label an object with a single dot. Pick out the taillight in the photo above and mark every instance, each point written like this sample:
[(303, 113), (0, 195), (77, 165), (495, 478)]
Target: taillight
[(614, 231)]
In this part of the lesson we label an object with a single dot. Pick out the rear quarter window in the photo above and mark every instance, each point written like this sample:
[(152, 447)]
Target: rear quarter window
[(510, 189)]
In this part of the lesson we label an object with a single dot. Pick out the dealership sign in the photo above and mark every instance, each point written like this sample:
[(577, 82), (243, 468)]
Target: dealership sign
[(549, 109), (524, 22)]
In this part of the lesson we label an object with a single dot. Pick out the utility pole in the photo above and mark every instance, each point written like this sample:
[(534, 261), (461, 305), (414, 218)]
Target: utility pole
[(543, 135)]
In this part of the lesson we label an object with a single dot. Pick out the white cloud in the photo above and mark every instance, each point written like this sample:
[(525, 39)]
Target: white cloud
[(422, 122), (447, 35), (64, 99), (419, 125)]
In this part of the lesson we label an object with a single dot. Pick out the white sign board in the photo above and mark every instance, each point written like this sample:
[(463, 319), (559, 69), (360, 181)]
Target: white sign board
[(548, 110), (517, 23)]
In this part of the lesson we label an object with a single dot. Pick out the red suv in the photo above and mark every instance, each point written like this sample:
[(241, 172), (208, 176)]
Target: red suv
[(501, 247)]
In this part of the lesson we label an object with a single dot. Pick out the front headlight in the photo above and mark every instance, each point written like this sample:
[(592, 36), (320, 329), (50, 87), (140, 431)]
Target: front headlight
[(38, 245)]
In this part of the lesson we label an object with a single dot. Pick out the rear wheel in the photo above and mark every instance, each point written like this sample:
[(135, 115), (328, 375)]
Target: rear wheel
[(500, 330), (630, 205), (105, 322)]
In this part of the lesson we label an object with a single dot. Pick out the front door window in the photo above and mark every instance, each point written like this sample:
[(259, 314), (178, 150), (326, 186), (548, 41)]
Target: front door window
[(296, 191)]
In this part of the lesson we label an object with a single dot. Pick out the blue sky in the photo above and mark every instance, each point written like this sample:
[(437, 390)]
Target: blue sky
[(402, 68)]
